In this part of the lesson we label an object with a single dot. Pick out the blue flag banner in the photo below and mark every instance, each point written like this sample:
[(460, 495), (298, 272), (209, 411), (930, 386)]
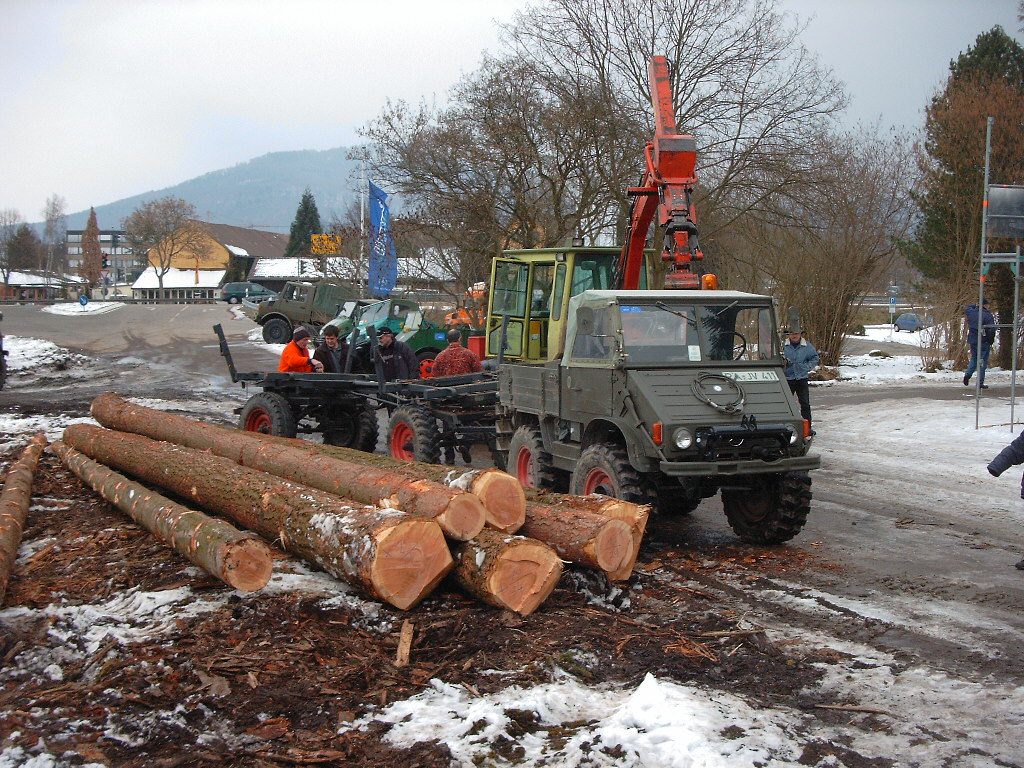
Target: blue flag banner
[(383, 267)]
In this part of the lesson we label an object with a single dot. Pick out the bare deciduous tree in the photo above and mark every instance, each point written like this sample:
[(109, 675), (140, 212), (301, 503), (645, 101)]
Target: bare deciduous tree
[(832, 238), (164, 230), (10, 220), (55, 234)]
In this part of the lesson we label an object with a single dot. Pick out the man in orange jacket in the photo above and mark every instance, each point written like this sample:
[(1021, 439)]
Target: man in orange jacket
[(295, 357)]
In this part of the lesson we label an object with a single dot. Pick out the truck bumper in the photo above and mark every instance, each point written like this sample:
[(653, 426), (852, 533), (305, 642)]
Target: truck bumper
[(732, 468)]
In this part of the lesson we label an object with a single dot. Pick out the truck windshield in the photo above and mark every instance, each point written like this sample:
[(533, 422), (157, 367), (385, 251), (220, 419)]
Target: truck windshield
[(663, 333)]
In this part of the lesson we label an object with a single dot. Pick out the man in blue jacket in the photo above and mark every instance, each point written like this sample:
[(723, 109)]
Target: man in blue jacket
[(1011, 455), (988, 337), (801, 359)]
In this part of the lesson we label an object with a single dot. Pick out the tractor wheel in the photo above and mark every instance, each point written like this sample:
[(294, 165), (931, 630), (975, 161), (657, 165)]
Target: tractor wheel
[(412, 435), (529, 463), (269, 414), (604, 468), (426, 361), (356, 430), (772, 510), (277, 331)]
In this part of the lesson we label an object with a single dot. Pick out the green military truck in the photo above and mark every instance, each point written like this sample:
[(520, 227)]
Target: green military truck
[(661, 397), (406, 319), (311, 303)]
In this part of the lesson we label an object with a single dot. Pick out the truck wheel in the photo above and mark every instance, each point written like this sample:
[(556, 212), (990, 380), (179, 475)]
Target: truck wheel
[(605, 468), (528, 462), (357, 430), (426, 361), (277, 331), (412, 435), (269, 414), (773, 510)]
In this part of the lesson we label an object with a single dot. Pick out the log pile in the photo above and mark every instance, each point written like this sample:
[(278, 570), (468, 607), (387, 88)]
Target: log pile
[(375, 522)]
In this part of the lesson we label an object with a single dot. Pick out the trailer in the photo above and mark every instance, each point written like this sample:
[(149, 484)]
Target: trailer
[(429, 420)]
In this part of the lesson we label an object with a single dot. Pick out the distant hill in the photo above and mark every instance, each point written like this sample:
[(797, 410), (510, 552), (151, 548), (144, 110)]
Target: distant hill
[(263, 193)]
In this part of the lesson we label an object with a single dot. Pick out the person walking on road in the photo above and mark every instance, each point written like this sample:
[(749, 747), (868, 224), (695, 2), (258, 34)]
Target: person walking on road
[(295, 356), (1010, 456), (455, 360), (801, 359), (988, 338), (333, 352)]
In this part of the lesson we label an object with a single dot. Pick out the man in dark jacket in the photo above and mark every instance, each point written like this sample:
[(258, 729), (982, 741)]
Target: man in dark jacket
[(988, 337), (332, 352), (399, 360), (1010, 456)]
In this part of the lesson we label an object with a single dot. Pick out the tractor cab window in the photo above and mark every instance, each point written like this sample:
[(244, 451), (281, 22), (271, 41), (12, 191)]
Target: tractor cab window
[(510, 286)]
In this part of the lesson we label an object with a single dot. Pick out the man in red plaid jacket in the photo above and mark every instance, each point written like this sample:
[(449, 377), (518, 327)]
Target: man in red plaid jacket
[(456, 359)]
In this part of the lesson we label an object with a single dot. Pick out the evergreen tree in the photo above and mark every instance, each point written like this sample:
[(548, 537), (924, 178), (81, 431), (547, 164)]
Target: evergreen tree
[(306, 223), (25, 250), (986, 80), (91, 256)]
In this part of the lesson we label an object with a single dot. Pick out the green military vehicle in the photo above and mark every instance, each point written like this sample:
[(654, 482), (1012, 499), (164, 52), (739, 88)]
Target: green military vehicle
[(406, 319), (311, 303), (661, 397)]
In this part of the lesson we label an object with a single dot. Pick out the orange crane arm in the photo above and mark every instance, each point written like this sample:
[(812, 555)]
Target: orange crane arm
[(666, 191)]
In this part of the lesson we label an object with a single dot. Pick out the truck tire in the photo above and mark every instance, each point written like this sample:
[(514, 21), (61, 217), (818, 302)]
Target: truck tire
[(529, 463), (425, 358), (772, 511), (605, 468), (277, 331), (269, 414), (412, 435), (357, 430)]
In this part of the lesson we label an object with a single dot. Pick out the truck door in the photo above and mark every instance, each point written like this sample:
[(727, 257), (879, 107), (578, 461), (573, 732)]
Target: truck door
[(522, 292)]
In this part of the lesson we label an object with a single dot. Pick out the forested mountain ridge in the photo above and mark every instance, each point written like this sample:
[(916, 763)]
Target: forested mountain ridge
[(263, 192)]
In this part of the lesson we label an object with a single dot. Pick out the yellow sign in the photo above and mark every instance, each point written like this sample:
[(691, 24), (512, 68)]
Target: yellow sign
[(325, 243)]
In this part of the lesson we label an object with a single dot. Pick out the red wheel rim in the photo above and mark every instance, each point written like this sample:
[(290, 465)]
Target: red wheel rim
[(259, 420), (524, 467), (427, 369), (598, 481), (401, 442)]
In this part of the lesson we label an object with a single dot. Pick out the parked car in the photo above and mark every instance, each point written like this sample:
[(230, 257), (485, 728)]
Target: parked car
[(911, 322), (233, 293)]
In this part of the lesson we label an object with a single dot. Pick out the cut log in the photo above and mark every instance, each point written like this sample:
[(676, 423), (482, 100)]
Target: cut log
[(239, 559), (14, 502), (384, 552), (581, 537), (634, 515), (511, 572), (460, 514)]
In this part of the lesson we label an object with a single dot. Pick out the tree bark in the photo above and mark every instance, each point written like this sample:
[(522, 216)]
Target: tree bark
[(582, 537), (14, 502), (384, 552), (460, 514), (239, 559), (511, 572)]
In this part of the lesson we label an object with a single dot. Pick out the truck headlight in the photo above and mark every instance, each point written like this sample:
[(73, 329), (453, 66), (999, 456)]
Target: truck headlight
[(682, 438)]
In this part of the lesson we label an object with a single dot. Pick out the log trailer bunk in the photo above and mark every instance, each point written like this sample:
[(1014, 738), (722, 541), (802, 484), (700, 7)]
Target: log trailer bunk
[(663, 397)]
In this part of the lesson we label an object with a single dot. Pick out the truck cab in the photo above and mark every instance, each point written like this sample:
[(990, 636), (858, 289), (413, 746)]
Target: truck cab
[(532, 288), (665, 397), (301, 302)]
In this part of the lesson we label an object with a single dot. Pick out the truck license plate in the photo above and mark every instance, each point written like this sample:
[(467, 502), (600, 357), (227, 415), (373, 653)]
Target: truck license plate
[(751, 375)]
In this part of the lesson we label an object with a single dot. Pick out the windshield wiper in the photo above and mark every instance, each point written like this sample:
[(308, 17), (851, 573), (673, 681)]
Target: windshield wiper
[(667, 308)]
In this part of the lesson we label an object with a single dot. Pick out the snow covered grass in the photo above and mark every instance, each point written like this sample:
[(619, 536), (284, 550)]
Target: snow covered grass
[(76, 309)]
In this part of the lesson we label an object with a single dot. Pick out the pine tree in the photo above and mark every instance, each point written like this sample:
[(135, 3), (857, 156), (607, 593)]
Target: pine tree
[(986, 80), (91, 256), (306, 223)]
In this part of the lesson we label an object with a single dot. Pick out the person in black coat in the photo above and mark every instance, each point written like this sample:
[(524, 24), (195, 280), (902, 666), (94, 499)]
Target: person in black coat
[(399, 360), (1010, 456), (332, 352)]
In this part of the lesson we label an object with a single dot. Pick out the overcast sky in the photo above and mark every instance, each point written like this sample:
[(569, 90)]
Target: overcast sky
[(104, 99)]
